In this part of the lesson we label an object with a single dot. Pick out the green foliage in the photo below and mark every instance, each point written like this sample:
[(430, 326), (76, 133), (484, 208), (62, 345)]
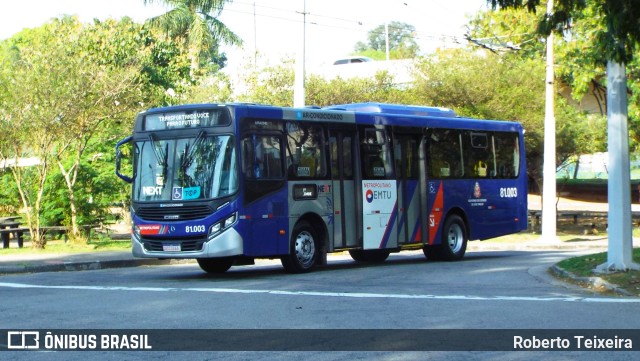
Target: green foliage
[(96, 190), (580, 53), (9, 197), (215, 88), (68, 92), (322, 92), (274, 85), (618, 36), (194, 24), (270, 85), (506, 31)]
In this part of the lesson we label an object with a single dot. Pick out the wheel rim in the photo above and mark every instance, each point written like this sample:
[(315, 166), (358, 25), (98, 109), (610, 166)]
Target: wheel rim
[(305, 249), (455, 238)]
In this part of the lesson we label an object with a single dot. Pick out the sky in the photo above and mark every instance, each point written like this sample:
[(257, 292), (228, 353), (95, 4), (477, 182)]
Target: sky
[(274, 28)]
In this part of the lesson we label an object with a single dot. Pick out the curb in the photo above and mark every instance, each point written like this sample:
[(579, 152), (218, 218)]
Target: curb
[(595, 282), (80, 266)]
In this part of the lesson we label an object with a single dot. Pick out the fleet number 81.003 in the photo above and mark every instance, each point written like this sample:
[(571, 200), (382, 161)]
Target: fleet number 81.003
[(508, 192), (195, 229)]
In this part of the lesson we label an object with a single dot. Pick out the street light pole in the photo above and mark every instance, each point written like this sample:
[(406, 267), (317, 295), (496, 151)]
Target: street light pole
[(298, 89), (549, 160), (386, 39)]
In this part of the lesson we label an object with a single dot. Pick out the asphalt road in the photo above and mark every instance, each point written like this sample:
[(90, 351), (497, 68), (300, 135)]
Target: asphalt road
[(488, 290)]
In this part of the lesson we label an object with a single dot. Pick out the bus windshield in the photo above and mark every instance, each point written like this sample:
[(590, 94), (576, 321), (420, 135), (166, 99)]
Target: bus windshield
[(203, 167)]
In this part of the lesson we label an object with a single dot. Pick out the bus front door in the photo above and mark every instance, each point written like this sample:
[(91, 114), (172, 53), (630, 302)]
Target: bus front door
[(345, 201)]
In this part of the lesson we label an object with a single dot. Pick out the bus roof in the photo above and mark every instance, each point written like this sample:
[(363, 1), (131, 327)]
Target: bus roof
[(361, 113), (399, 109)]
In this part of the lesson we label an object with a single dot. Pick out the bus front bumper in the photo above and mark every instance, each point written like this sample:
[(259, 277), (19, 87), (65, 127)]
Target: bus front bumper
[(227, 244)]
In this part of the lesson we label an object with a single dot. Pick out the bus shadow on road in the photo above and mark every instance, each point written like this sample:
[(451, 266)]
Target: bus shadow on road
[(270, 269)]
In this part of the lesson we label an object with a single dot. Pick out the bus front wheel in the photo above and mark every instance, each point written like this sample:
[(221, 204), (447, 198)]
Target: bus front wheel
[(216, 265), (303, 249)]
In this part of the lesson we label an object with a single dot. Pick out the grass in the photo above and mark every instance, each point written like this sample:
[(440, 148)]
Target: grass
[(583, 266), (60, 246)]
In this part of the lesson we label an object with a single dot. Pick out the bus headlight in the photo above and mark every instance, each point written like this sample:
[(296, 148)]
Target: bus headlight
[(215, 229), (222, 225), (136, 231), (230, 221)]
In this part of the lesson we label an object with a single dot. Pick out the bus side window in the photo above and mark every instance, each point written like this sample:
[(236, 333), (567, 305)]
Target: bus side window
[(479, 152), (445, 156), (375, 154), (305, 147), (261, 157), (507, 154)]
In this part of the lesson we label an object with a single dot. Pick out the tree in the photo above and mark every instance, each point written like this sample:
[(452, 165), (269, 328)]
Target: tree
[(195, 24), (618, 42), (579, 65), (29, 115), (402, 44), (69, 91)]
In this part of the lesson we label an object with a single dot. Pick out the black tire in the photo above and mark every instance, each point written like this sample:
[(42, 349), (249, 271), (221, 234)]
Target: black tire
[(454, 239), (216, 265), (303, 249), (431, 252), (369, 255)]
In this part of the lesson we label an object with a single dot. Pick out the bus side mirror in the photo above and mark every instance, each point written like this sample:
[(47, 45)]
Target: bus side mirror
[(119, 160)]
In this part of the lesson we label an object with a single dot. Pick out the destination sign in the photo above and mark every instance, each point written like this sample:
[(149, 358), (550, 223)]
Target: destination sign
[(196, 118)]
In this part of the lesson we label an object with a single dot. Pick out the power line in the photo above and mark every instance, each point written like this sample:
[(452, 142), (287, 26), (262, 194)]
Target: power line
[(320, 21)]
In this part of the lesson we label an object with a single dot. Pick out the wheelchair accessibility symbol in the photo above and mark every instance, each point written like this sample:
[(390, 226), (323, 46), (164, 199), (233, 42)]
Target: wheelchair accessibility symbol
[(176, 194)]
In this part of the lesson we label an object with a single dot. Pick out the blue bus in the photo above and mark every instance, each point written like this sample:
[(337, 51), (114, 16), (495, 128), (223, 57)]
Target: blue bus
[(228, 183)]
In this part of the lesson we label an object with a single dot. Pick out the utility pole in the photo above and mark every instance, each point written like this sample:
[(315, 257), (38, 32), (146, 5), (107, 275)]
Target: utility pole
[(298, 89), (255, 36), (549, 160), (620, 245)]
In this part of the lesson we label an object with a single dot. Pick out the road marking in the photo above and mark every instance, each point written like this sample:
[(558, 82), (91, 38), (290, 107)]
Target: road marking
[(329, 294)]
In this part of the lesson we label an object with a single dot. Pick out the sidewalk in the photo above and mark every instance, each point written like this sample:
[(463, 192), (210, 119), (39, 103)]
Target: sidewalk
[(55, 262)]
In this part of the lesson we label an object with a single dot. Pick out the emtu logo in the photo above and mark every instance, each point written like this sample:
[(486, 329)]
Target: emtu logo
[(369, 195)]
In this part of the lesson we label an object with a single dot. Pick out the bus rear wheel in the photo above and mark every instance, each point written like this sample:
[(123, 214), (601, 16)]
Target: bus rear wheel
[(453, 243), (216, 265), (303, 249), (369, 256)]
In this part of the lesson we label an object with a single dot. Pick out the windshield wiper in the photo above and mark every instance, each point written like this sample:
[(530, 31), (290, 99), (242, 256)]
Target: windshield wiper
[(187, 157)]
